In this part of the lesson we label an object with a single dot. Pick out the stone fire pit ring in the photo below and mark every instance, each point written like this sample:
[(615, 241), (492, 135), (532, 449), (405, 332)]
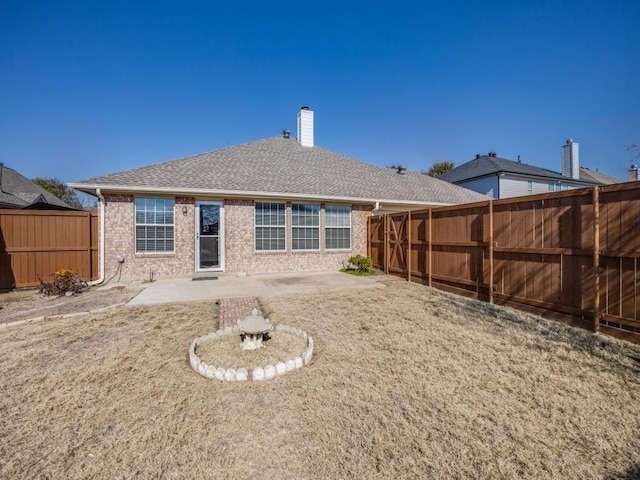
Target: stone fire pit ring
[(266, 372)]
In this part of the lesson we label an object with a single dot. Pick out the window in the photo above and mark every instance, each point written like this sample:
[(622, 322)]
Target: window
[(270, 223), (337, 227), (154, 225), (305, 227), (552, 187), (529, 186)]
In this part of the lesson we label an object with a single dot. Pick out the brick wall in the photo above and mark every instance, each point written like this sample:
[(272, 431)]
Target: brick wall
[(239, 255)]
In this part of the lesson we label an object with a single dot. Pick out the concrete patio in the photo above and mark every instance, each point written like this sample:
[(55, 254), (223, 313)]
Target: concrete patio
[(217, 286)]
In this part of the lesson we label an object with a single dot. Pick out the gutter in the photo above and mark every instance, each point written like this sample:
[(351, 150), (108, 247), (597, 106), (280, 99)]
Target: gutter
[(101, 240), (245, 194)]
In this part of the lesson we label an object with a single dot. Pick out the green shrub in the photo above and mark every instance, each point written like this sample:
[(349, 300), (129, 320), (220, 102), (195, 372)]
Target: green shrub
[(360, 263)]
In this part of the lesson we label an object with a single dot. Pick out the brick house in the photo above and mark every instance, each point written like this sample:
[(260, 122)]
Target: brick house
[(272, 205)]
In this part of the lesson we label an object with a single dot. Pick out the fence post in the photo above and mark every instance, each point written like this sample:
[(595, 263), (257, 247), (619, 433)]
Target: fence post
[(386, 243), (408, 256), (491, 251), (596, 259), (369, 236), (429, 256)]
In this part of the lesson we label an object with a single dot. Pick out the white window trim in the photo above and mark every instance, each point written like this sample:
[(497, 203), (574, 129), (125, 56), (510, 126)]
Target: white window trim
[(306, 226), (255, 228), (136, 224), (326, 227)]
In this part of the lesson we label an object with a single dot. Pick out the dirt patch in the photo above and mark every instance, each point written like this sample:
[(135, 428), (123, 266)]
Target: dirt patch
[(405, 382), (21, 305)]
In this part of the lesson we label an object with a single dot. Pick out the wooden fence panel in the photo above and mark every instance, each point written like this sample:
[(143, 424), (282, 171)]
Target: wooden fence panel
[(398, 243), (419, 241), (36, 243), (572, 255), (620, 251)]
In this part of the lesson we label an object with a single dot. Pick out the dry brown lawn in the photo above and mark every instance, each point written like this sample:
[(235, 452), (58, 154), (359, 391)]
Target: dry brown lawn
[(406, 382)]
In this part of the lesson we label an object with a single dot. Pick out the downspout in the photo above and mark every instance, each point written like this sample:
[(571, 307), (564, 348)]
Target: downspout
[(101, 240), (376, 208)]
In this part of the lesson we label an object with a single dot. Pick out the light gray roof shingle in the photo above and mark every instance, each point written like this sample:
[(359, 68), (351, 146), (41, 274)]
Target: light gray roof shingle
[(283, 166), (595, 176)]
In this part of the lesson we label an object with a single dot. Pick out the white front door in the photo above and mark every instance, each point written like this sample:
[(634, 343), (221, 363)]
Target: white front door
[(209, 236)]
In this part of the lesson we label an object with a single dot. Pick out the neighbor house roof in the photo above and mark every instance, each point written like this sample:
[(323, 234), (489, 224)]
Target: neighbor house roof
[(597, 177), (17, 191), (281, 167), (484, 165)]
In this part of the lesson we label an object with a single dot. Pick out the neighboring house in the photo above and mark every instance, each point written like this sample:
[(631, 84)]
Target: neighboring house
[(501, 178), (17, 191), (278, 204)]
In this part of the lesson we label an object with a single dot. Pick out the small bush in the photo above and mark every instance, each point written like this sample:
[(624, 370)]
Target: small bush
[(360, 263), (63, 281)]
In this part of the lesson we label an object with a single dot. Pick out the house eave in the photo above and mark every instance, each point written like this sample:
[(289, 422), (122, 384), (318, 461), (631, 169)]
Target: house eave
[(91, 188), (524, 176)]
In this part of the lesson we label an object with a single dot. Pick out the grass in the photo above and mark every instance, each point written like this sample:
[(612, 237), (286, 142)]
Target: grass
[(361, 273), (435, 386)]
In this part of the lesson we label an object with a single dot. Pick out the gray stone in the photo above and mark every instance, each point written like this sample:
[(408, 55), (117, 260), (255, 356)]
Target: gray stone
[(307, 356), (297, 363), (219, 373), (290, 364), (281, 368), (230, 374), (242, 375), (258, 373), (269, 372)]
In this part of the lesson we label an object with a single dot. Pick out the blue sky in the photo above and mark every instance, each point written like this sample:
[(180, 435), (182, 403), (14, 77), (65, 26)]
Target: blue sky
[(92, 88)]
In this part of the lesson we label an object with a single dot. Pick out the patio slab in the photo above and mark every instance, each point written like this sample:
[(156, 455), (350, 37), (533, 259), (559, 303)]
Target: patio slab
[(212, 286)]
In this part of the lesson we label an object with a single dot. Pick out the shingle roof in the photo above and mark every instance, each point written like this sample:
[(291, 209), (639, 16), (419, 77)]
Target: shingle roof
[(595, 176), (486, 165), (280, 165), (18, 191)]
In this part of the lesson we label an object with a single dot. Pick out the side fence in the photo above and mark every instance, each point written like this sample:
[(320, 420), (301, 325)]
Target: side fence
[(571, 255), (36, 243)]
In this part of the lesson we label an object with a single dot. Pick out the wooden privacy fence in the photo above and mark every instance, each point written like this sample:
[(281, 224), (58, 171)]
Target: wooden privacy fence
[(36, 243), (571, 255)]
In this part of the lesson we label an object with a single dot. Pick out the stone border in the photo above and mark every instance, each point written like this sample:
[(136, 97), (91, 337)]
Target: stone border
[(47, 318), (259, 373)]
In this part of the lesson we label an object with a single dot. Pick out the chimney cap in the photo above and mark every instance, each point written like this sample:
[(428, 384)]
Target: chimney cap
[(402, 169), (304, 107), (286, 133)]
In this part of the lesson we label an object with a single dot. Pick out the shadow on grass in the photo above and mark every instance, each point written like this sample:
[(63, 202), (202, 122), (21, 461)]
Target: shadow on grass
[(632, 473), (600, 346)]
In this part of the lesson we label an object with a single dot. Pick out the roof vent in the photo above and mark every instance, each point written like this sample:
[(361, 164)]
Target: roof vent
[(286, 133), (478, 155), (402, 169)]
